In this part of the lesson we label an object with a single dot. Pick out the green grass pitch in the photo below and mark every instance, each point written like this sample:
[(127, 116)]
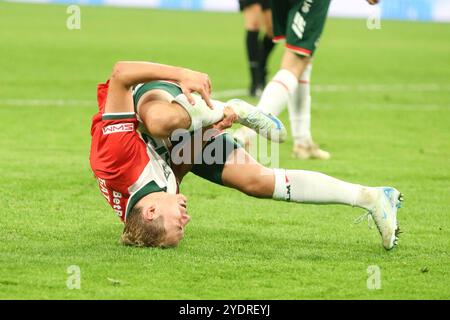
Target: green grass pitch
[(381, 105)]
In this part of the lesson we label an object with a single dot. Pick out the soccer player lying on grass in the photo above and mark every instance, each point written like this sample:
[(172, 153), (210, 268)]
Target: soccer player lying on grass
[(140, 181)]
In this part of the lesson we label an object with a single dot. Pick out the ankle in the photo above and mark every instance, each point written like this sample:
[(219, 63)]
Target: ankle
[(366, 198), (303, 143)]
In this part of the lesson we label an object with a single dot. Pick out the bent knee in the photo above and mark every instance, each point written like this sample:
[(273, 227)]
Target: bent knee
[(252, 25), (259, 186)]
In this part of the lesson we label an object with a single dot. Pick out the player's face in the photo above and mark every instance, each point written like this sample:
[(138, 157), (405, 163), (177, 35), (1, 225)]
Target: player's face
[(174, 211)]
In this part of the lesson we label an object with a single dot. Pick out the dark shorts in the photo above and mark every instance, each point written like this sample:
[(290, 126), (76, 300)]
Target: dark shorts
[(265, 4), (225, 145), (140, 90), (300, 23), (220, 146)]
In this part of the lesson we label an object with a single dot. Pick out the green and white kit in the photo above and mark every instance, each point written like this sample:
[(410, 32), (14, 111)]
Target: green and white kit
[(223, 142), (300, 23)]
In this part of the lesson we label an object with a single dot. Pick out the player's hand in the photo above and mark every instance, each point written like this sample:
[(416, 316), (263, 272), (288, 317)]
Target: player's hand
[(193, 81), (372, 2), (229, 117)]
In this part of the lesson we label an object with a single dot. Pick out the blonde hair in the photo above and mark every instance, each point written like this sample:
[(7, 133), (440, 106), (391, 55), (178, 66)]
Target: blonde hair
[(140, 232)]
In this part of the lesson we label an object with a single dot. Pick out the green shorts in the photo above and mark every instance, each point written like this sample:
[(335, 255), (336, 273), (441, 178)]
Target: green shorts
[(300, 23), (223, 143), (141, 89)]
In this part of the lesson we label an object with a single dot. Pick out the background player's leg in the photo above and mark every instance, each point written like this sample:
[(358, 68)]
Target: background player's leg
[(161, 114), (244, 173), (300, 117), (267, 46), (252, 20), (277, 92)]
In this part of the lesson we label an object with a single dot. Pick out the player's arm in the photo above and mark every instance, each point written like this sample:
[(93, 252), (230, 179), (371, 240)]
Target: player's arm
[(127, 74)]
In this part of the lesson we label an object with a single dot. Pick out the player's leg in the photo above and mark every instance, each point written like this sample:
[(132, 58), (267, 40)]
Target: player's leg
[(278, 91), (244, 173), (308, 22), (267, 43), (160, 116), (301, 25), (299, 106), (163, 108), (295, 59), (232, 166), (252, 12), (255, 180)]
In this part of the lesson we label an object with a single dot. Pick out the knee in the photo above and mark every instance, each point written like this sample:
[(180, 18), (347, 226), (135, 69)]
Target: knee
[(252, 17), (252, 25), (296, 64), (259, 186)]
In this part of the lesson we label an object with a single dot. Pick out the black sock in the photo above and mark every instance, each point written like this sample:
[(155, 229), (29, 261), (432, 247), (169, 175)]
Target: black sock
[(253, 55), (266, 48)]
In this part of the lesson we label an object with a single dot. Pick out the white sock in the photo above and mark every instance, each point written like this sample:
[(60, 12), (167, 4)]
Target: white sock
[(314, 187), (273, 99), (276, 94), (201, 115), (299, 107)]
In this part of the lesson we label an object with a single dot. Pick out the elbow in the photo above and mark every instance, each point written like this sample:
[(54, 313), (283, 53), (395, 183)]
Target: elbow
[(119, 74)]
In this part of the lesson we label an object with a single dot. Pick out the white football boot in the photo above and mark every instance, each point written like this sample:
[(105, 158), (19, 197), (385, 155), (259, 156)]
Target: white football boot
[(384, 213), (266, 124)]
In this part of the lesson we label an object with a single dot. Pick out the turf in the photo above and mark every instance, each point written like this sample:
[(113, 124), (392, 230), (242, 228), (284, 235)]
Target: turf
[(393, 133)]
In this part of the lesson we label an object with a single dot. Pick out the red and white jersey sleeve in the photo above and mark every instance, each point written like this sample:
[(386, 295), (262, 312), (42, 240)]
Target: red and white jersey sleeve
[(126, 168)]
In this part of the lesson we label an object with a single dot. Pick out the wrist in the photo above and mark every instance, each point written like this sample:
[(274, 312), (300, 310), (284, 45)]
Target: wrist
[(182, 73)]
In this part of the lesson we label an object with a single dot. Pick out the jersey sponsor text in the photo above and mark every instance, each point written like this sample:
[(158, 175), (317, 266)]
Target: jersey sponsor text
[(121, 127)]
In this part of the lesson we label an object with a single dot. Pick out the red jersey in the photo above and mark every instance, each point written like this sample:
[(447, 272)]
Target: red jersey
[(126, 167)]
